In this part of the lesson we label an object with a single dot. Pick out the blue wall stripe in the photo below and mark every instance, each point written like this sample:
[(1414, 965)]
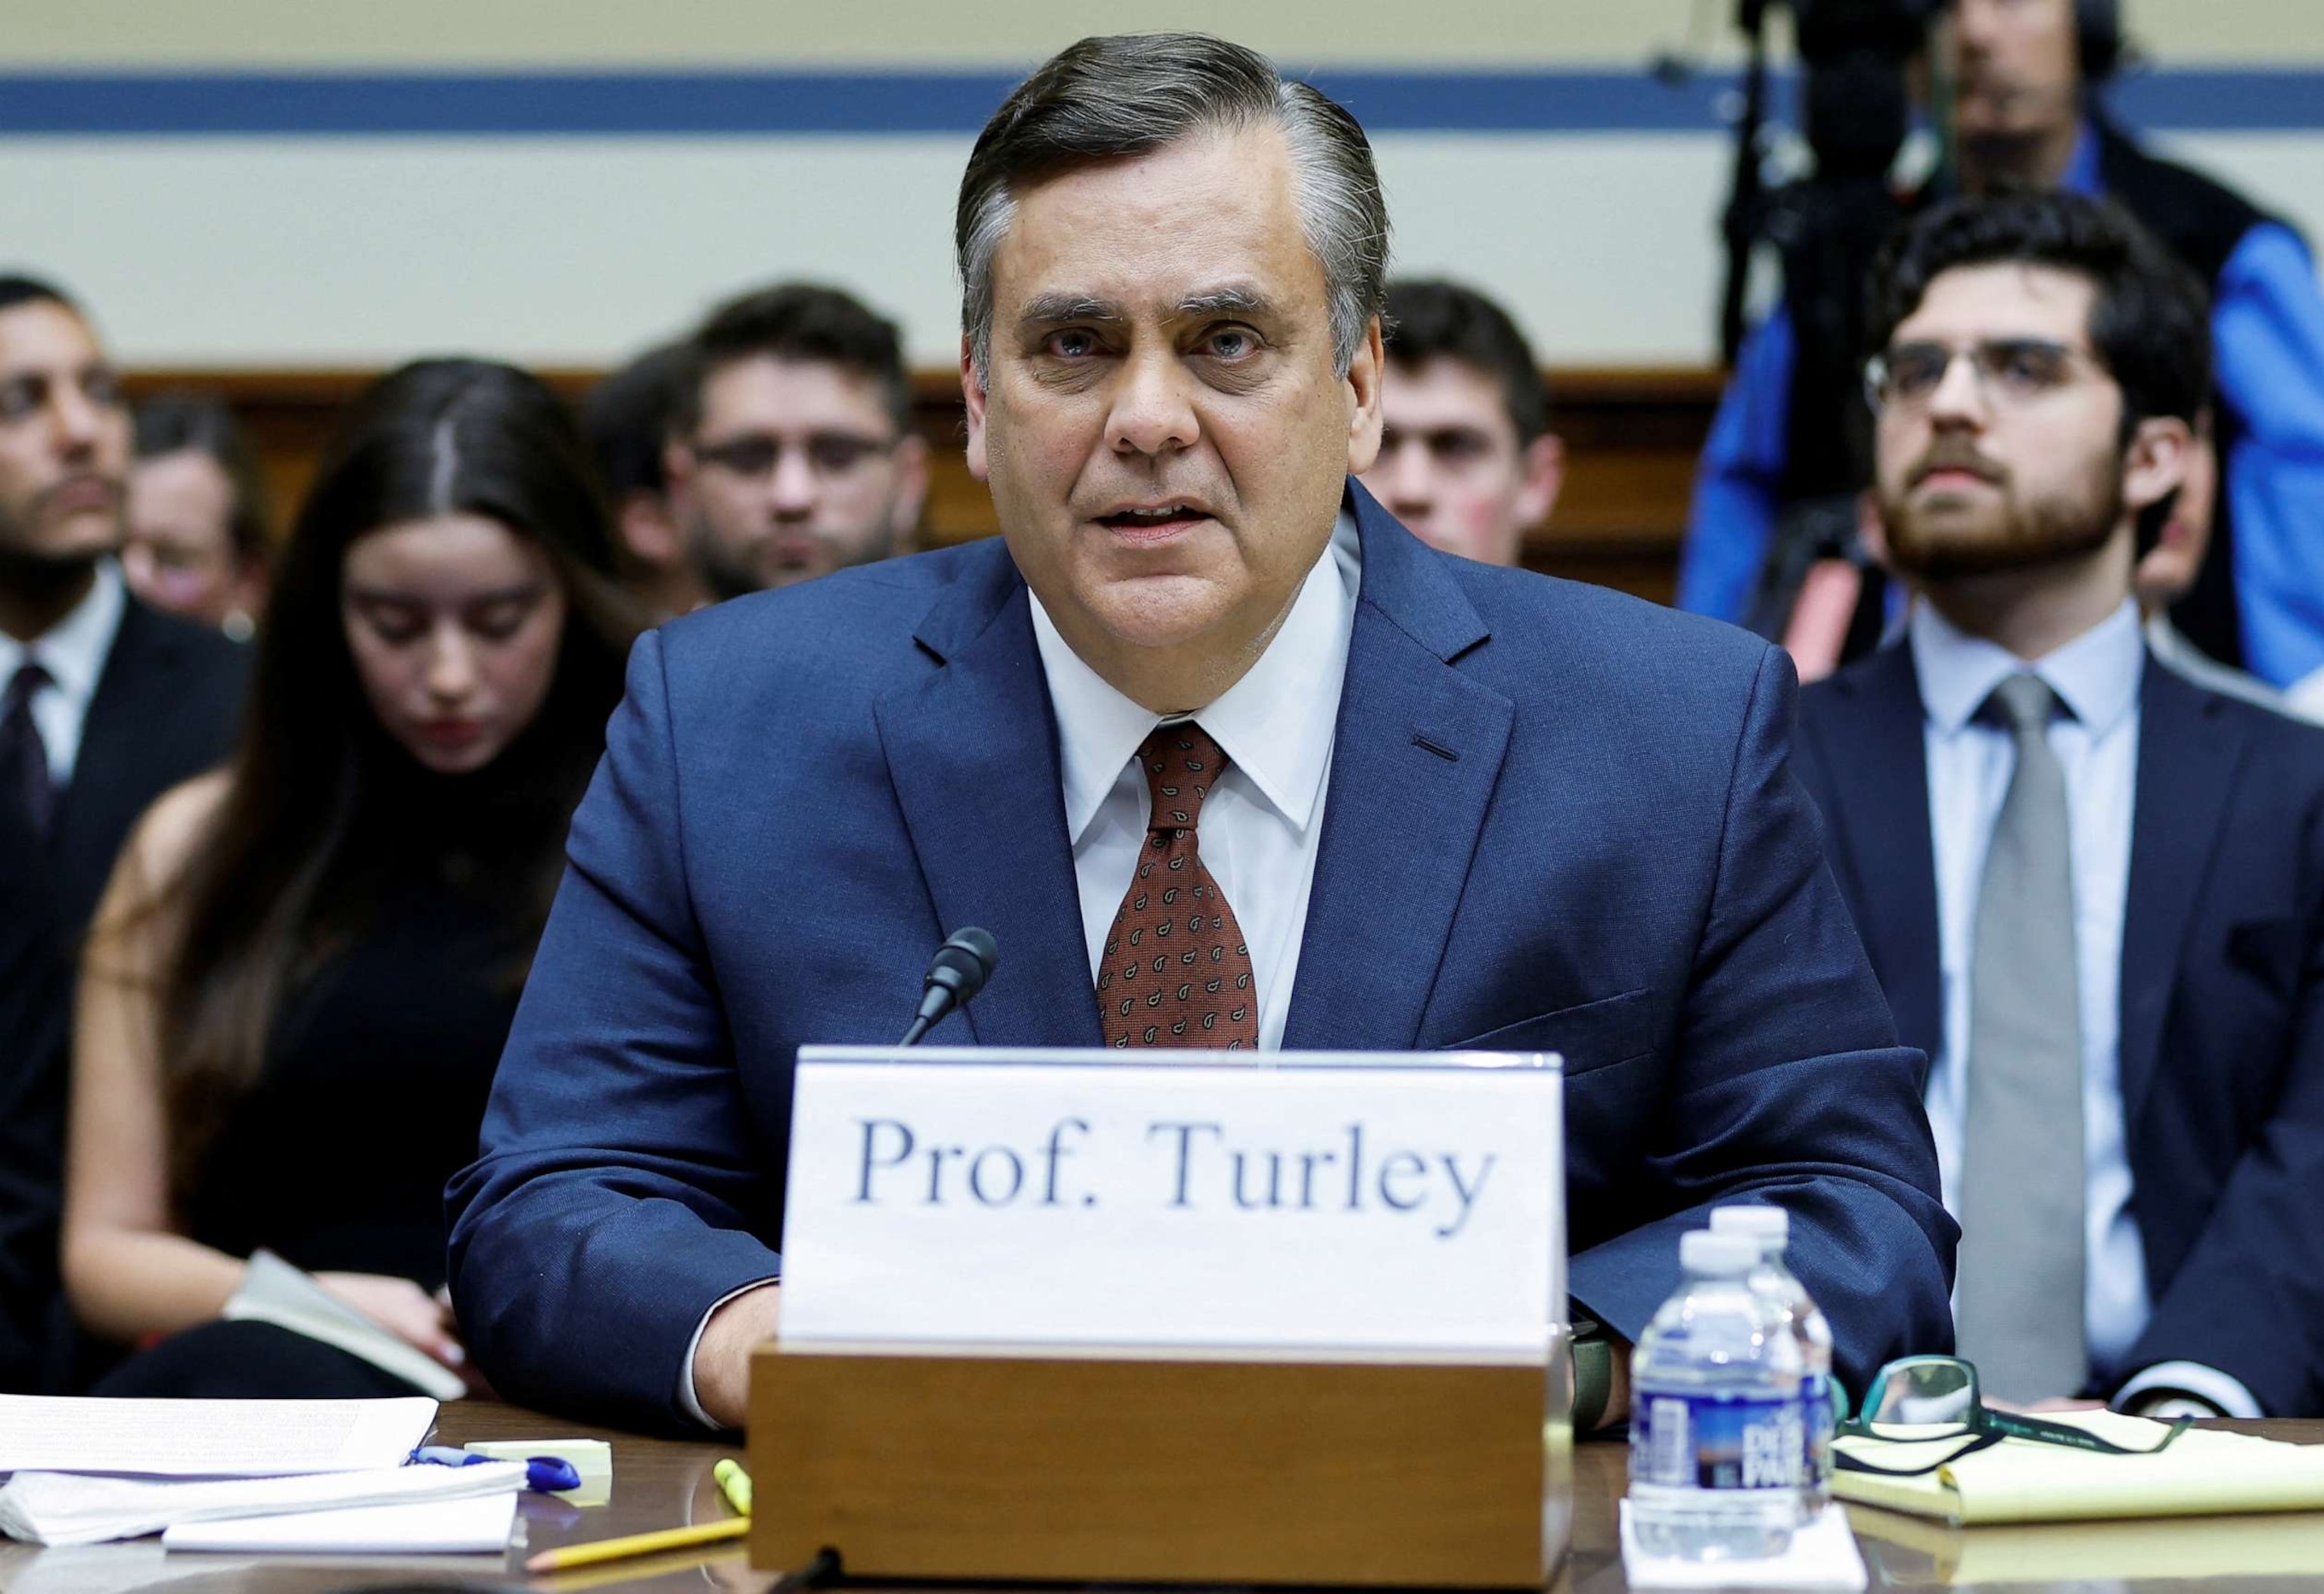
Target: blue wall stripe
[(753, 103)]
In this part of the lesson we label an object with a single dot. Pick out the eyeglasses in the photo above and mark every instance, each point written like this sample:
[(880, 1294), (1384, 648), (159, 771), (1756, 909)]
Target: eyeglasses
[(755, 454), (1926, 1402), (2011, 372)]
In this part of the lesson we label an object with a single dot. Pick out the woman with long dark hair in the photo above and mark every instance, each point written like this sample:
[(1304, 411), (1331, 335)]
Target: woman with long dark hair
[(306, 964)]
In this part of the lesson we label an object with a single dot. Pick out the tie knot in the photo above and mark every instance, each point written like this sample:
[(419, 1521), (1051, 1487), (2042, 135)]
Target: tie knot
[(29, 677), (2023, 703), (1182, 763)]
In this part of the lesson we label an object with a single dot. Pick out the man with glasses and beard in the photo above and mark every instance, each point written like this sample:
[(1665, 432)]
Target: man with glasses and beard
[(105, 704), (792, 454), (2093, 890)]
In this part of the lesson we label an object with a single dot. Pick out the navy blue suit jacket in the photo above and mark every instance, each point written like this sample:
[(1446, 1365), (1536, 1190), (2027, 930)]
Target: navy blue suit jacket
[(2222, 1050), (1558, 817)]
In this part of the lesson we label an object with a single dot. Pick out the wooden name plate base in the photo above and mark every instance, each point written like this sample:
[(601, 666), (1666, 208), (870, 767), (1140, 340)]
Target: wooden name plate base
[(1092, 1470)]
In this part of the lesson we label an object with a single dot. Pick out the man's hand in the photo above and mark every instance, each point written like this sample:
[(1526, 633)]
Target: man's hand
[(722, 1361)]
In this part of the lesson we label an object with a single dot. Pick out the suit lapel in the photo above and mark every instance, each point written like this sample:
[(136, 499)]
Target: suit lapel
[(2190, 758), (113, 774), (971, 751), (1415, 755), (1876, 761)]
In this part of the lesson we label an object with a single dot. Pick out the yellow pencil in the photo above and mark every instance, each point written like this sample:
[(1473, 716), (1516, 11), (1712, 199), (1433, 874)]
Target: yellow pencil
[(668, 1538)]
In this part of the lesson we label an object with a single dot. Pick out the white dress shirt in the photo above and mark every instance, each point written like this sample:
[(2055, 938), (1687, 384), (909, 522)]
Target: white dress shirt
[(1259, 824), (73, 651), (1970, 763)]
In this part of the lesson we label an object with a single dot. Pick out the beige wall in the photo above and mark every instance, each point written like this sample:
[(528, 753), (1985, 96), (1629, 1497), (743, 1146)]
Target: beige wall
[(965, 32)]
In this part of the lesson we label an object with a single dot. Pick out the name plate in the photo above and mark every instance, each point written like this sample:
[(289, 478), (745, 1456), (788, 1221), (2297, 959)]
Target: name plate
[(1299, 1206)]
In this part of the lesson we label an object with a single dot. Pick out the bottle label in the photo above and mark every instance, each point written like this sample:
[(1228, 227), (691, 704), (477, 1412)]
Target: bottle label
[(1820, 1419), (1694, 1439)]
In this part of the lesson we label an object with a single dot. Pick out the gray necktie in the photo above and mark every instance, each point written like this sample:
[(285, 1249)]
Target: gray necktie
[(2021, 1195)]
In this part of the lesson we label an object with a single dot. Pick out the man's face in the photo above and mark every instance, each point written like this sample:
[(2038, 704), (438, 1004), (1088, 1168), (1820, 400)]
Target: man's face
[(64, 438), (795, 470), (1450, 466), (180, 555), (2014, 458), (2016, 66), (1164, 431)]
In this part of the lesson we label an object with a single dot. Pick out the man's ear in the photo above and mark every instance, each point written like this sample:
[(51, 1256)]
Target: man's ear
[(911, 458), (972, 390), (648, 529), (1363, 379), (2156, 462), (1543, 465)]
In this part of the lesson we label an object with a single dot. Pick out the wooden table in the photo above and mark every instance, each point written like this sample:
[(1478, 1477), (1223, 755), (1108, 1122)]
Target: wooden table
[(659, 1483)]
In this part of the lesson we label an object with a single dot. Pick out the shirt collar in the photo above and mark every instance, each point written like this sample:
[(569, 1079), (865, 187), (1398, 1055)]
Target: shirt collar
[(73, 650), (2097, 674), (1275, 724)]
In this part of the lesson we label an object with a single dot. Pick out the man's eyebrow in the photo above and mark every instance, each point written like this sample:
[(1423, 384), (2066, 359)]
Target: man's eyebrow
[(1226, 301), (1048, 308)]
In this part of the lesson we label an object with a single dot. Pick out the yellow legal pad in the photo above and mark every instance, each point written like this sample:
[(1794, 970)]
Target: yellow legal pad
[(2203, 1473)]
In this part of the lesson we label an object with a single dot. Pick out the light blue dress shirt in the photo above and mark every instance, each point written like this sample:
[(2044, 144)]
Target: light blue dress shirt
[(1971, 761)]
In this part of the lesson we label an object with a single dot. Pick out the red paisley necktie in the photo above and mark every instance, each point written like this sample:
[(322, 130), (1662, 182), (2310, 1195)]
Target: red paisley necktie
[(1176, 971)]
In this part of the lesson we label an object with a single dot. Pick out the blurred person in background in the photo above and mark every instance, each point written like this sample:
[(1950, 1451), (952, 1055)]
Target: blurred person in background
[(303, 970), (198, 518), (793, 454), (626, 419), (1467, 460), (104, 704), (2093, 891), (2025, 76)]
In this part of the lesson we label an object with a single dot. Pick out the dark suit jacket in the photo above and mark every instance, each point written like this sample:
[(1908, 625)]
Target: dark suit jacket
[(2222, 1050), (1557, 817), (165, 709)]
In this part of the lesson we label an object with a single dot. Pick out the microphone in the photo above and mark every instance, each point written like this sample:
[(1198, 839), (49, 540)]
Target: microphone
[(956, 973)]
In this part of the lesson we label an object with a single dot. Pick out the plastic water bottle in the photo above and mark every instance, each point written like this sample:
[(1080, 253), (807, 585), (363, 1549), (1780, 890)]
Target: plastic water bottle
[(1718, 1413), (1771, 1226)]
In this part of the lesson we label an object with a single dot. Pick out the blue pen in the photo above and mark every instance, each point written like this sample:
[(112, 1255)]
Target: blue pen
[(542, 1474)]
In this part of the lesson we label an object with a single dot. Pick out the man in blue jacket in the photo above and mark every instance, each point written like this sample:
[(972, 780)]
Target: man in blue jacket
[(2025, 113), (1428, 803)]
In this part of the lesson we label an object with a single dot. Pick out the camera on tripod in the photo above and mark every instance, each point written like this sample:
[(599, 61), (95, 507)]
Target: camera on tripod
[(1855, 111)]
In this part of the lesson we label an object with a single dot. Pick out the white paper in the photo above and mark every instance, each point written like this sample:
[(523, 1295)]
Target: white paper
[(1318, 1206), (61, 1508), (1823, 1555), (208, 1438), (431, 1527)]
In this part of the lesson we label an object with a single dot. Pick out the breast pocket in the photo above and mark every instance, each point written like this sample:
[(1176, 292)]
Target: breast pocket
[(1593, 1036)]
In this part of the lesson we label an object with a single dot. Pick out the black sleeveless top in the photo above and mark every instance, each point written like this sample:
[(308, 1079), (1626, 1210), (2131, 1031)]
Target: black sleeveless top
[(371, 1093)]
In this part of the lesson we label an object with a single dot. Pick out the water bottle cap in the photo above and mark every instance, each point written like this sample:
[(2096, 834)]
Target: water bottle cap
[(1703, 1251), (1770, 1223)]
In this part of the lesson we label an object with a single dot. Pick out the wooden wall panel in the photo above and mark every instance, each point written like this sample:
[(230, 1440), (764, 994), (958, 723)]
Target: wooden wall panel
[(1631, 441)]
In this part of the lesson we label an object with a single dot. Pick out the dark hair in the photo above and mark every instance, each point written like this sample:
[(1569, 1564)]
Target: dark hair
[(627, 419), (1131, 94), (1432, 319), (16, 289), (796, 321), (324, 807), (2149, 320), (202, 423)]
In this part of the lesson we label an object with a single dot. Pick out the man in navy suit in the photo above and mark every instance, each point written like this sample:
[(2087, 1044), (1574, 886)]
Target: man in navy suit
[(1415, 802), (2092, 890)]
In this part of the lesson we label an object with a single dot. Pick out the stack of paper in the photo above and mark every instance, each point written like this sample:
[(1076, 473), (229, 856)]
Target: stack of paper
[(208, 1438), (59, 1508), (323, 1476), (2204, 1471)]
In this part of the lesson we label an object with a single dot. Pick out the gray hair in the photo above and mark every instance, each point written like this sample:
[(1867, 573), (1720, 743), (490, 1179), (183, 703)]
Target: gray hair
[(1131, 94)]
